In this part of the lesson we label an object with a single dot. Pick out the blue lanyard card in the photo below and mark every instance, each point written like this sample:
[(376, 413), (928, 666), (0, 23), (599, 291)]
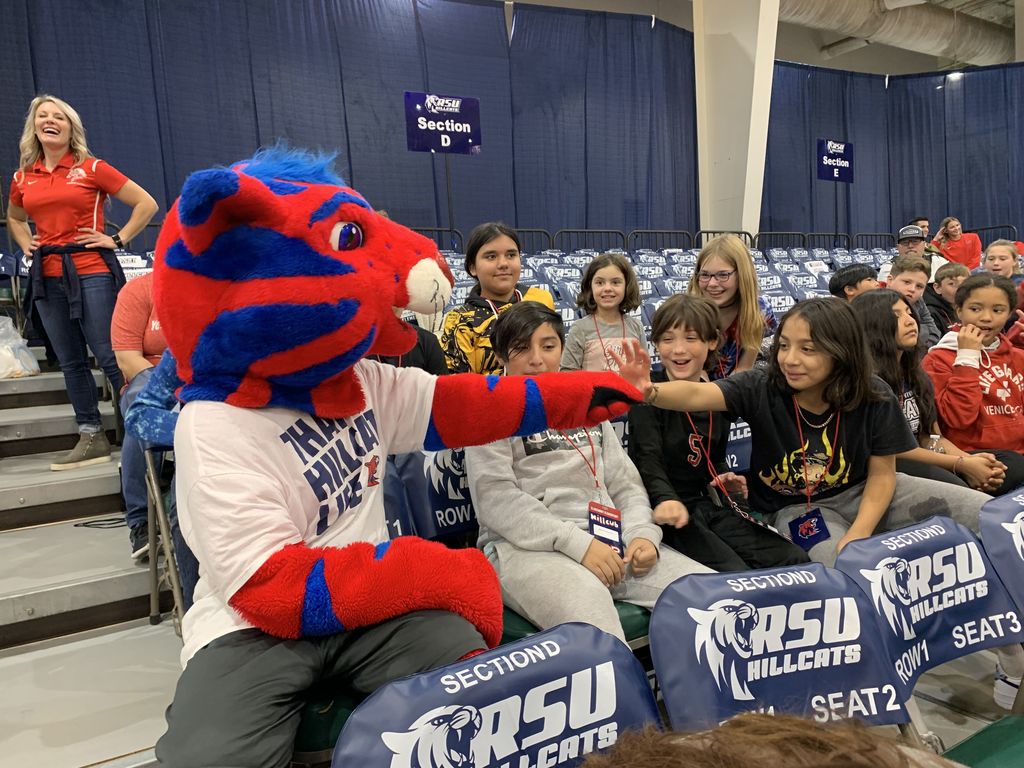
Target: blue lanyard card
[(606, 525), (809, 529)]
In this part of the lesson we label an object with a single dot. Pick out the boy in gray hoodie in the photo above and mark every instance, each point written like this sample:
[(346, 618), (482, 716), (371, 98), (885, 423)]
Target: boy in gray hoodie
[(564, 517)]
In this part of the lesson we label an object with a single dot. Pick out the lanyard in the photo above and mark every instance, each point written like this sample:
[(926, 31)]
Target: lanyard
[(382, 361), (517, 297), (808, 489), (592, 464), (607, 360)]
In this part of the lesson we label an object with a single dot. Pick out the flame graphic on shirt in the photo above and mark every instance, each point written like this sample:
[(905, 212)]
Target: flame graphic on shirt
[(791, 476)]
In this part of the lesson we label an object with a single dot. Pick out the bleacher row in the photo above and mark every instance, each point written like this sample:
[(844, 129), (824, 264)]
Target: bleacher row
[(809, 640), (785, 275)]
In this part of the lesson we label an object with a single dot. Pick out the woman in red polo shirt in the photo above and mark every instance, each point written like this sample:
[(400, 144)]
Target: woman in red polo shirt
[(957, 245), (75, 275)]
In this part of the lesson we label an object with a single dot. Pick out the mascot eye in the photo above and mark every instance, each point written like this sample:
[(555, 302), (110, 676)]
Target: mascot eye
[(346, 236)]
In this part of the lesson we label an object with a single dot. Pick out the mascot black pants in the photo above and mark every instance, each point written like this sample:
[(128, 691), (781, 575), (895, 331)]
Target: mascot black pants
[(239, 700)]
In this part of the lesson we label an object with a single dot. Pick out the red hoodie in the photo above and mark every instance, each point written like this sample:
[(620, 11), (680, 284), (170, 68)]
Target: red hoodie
[(979, 395)]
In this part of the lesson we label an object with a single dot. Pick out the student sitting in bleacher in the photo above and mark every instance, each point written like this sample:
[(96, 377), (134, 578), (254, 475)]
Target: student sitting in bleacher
[(725, 275), (493, 258), (938, 296), (890, 326), (957, 245), (681, 456), (825, 434), (851, 281), (564, 517), (908, 277), (978, 374), (608, 293), (1001, 259)]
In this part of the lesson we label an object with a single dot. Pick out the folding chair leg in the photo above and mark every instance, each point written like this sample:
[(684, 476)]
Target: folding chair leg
[(154, 576), (917, 730), (156, 503)]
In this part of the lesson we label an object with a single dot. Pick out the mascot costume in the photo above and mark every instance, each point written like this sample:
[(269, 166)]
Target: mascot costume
[(274, 282)]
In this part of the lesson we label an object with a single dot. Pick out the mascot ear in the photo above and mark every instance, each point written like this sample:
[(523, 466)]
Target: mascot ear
[(201, 192)]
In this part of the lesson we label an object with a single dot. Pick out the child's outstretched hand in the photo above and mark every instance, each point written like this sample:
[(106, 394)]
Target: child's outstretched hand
[(970, 337), (634, 365)]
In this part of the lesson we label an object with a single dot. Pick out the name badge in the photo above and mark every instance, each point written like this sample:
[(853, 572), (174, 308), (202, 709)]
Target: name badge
[(809, 529), (606, 525)]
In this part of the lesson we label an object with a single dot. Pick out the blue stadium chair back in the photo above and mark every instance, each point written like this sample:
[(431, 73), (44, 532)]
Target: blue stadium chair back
[(821, 254), (569, 312), (761, 268), (546, 700), (646, 287), (647, 312), (670, 286), (460, 291), (801, 281), (649, 271), (936, 594), (799, 254), (651, 257), (780, 301), (527, 274), (770, 281), (786, 267), (684, 271), (757, 255), (437, 497), (737, 447), (799, 640), (1002, 531), (558, 272), (778, 254)]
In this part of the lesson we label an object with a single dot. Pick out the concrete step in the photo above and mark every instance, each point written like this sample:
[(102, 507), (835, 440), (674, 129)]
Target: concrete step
[(45, 389), (32, 494), (40, 428), (68, 577)]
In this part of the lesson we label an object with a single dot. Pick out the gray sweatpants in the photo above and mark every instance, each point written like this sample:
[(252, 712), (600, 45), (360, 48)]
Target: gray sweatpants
[(913, 500), (549, 588)]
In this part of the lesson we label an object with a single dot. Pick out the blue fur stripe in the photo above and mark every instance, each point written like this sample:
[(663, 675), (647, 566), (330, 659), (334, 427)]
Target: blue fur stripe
[(283, 187), (287, 164), (380, 549), (492, 382), (201, 192), (337, 200), (433, 441), (249, 253), (235, 340), (318, 617), (535, 419)]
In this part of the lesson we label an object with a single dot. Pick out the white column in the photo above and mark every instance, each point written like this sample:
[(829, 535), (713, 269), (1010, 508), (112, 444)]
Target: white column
[(1018, 30), (734, 48)]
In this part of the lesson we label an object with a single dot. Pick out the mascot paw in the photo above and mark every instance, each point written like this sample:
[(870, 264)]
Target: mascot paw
[(609, 402)]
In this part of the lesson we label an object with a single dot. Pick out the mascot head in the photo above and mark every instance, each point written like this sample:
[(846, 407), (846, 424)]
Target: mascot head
[(273, 279)]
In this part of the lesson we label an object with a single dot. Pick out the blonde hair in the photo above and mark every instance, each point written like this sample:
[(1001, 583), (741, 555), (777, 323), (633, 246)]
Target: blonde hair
[(1005, 244), (750, 320), (29, 148)]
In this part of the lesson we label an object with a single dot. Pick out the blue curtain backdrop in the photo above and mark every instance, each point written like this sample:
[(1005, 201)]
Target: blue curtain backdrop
[(588, 118), (603, 121), (810, 103), (957, 146)]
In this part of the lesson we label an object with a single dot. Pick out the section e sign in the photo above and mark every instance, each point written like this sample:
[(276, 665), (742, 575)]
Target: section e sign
[(835, 160), (436, 123)]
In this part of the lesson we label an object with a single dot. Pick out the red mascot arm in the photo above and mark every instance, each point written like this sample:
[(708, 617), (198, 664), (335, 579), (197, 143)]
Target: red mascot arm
[(475, 410), (302, 591)]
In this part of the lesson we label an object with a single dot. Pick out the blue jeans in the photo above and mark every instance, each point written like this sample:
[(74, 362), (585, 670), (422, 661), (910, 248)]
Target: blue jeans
[(69, 338), (133, 489)]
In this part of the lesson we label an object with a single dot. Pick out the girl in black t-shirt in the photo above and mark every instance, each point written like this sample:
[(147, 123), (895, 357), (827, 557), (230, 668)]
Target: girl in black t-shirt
[(890, 328), (681, 456), (825, 434)]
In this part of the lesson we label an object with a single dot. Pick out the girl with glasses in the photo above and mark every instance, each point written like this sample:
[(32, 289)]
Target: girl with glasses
[(725, 275)]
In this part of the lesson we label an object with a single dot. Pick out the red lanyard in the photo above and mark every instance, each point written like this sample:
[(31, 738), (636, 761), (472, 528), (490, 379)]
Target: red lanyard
[(592, 464), (607, 359), (808, 489), (518, 297), (706, 451)]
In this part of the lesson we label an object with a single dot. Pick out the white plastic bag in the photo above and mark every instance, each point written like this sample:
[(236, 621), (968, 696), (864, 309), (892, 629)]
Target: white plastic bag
[(16, 359)]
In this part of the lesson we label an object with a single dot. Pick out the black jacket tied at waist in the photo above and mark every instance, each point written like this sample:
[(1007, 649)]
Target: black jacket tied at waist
[(69, 274)]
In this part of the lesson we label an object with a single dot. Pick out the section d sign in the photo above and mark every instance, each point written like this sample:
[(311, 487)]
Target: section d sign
[(835, 160), (435, 123)]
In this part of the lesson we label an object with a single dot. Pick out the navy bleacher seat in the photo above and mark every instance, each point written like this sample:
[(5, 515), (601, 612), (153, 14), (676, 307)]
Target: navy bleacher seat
[(770, 281), (670, 286), (936, 594), (647, 311), (786, 267), (1002, 530), (650, 257), (646, 287), (800, 640), (547, 699), (780, 301), (649, 271), (558, 272)]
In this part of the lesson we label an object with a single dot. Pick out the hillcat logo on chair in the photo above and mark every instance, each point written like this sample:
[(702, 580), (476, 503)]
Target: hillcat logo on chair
[(1016, 531), (742, 643)]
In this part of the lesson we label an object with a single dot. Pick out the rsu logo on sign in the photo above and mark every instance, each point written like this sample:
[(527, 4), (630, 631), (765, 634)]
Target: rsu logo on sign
[(742, 643), (835, 147), (563, 719), (438, 104)]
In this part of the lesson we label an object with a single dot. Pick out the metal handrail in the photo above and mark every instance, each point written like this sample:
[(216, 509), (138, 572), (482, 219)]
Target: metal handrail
[(662, 238)]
